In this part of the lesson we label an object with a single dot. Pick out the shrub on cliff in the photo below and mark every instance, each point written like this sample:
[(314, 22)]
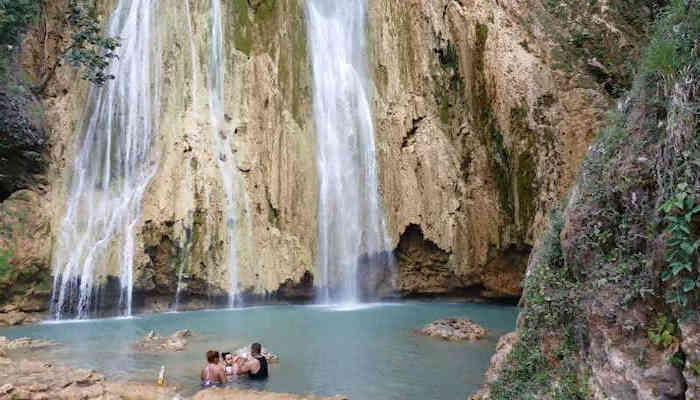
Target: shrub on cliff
[(88, 48), (15, 16)]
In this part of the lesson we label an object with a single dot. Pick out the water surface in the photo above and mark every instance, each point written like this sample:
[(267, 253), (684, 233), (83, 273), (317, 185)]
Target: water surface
[(368, 352)]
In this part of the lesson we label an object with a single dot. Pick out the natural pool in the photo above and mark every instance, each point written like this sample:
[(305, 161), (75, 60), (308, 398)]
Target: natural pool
[(363, 352)]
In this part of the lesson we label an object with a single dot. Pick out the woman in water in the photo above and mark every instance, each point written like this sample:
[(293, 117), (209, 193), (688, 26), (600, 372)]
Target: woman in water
[(212, 374), (228, 366)]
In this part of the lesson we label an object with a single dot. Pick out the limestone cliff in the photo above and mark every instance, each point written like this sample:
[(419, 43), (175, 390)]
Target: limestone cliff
[(483, 111)]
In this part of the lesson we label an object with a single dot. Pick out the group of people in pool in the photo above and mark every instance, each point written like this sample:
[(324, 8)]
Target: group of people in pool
[(217, 373)]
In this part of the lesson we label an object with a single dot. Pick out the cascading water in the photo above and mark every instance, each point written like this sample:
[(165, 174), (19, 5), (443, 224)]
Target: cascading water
[(113, 167), (351, 222), (225, 156)]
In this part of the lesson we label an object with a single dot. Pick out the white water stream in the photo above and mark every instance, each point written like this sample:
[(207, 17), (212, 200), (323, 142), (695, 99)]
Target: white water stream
[(113, 167), (350, 218)]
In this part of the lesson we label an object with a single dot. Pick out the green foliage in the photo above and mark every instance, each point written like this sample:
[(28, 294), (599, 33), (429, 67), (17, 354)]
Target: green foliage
[(675, 37), (695, 368), (15, 16), (682, 215), (524, 373), (677, 359), (5, 257), (662, 333), (552, 308), (89, 49)]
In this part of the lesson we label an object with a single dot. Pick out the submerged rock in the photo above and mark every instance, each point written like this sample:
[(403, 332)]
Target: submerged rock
[(24, 343), (152, 343), (454, 329), (183, 333)]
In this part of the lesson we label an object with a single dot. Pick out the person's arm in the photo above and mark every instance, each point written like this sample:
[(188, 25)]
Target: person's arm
[(245, 367), (241, 368), (201, 375)]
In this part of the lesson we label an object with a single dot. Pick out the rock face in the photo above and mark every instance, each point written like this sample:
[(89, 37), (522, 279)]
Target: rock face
[(454, 329), (690, 344), (479, 130), (503, 348), (22, 138)]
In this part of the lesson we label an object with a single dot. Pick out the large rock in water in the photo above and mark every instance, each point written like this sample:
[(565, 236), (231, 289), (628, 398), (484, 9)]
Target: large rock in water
[(454, 329), (152, 343)]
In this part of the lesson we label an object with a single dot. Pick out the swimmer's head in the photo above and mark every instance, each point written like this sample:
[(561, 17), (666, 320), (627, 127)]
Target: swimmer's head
[(212, 356)]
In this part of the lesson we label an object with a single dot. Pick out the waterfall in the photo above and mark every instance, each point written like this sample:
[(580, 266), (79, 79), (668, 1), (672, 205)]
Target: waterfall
[(111, 171), (351, 222), (220, 140)]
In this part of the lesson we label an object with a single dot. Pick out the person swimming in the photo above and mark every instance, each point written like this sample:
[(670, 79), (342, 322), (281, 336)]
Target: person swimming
[(212, 374), (228, 366), (256, 367)]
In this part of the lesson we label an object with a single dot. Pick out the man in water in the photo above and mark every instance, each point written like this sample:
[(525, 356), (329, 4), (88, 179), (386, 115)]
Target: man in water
[(212, 374), (256, 367)]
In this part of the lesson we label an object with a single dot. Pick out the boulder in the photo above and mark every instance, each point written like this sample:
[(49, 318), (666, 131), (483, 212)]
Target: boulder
[(174, 344), (6, 388), (182, 333), (152, 343), (454, 329)]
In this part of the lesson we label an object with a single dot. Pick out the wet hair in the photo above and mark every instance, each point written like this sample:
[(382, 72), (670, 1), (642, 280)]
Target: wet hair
[(223, 355), (217, 356), (255, 348), (212, 355)]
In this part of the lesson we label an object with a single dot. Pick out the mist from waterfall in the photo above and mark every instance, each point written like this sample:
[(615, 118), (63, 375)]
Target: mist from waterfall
[(350, 218), (220, 141), (114, 164)]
